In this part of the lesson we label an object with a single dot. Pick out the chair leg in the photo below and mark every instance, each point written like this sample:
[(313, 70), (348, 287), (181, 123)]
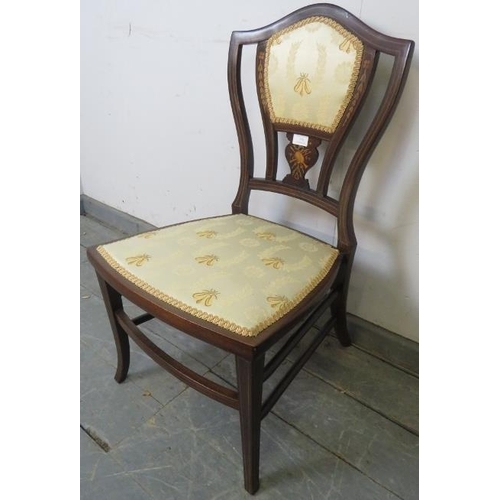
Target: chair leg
[(340, 312), (113, 303), (250, 375)]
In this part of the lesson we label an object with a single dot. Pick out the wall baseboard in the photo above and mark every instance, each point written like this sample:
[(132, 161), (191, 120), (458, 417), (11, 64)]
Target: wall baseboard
[(384, 344), (388, 346), (110, 216)]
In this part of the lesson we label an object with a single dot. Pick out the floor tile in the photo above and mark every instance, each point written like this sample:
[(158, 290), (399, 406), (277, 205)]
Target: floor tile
[(102, 477), (94, 233), (83, 254), (113, 411), (99, 355), (201, 351), (88, 278), (95, 330), (394, 349), (191, 450), (376, 384), (378, 447)]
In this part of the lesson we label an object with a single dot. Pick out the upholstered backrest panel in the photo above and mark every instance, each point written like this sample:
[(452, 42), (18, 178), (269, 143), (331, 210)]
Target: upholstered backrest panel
[(308, 73)]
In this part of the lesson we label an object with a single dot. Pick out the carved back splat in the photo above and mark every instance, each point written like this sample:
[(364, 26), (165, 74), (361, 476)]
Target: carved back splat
[(300, 159)]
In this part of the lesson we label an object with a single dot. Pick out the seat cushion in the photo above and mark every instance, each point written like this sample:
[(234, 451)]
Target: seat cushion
[(237, 271)]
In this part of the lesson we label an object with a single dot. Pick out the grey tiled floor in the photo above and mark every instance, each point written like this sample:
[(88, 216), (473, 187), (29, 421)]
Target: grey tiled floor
[(345, 429)]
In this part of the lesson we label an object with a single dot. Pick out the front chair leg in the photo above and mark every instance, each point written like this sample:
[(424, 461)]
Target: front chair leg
[(250, 375), (113, 303)]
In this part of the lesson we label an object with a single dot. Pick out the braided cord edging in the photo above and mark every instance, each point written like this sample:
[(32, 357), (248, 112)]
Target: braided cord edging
[(212, 318)]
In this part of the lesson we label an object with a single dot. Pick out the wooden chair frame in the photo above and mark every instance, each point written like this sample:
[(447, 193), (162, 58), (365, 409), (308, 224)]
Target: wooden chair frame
[(330, 294)]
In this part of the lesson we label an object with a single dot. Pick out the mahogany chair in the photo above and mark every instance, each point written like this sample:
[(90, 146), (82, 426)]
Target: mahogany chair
[(242, 283)]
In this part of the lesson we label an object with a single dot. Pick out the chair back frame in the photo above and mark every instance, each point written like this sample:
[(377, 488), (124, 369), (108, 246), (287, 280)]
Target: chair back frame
[(374, 43)]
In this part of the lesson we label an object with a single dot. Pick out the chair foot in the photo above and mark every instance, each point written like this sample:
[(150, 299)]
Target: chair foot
[(343, 333), (341, 326), (123, 362), (113, 303), (250, 380)]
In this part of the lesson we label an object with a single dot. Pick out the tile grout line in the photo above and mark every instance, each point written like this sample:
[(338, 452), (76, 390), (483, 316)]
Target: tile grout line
[(153, 333), (337, 388), (209, 370), (106, 225), (89, 291), (354, 398), (105, 447), (162, 407), (340, 457), (411, 431), (376, 356), (114, 458), (143, 488), (407, 429), (341, 391), (390, 363), (329, 383)]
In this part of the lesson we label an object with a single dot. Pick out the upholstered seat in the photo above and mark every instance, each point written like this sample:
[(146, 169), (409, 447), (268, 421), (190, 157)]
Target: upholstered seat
[(239, 272)]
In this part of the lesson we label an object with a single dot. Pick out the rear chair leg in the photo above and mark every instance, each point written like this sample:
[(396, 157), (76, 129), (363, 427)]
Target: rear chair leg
[(113, 303), (340, 313), (250, 375)]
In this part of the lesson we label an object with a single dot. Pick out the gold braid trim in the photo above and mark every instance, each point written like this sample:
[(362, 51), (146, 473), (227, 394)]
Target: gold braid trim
[(212, 318), (263, 76)]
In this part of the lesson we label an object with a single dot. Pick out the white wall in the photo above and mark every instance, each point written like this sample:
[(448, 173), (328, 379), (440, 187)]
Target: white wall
[(158, 138)]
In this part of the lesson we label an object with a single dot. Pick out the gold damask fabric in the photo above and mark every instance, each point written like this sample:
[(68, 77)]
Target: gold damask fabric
[(309, 73), (239, 272)]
